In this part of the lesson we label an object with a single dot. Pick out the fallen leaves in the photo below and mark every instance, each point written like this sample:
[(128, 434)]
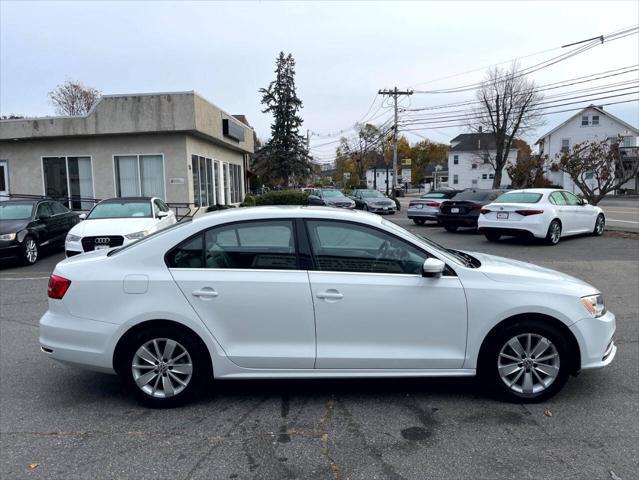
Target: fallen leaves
[(33, 466), (547, 412)]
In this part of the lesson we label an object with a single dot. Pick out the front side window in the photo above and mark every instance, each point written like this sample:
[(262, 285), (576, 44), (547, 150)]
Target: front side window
[(139, 175), (556, 198), (57, 208), (43, 209), (572, 199), (260, 245), (349, 247)]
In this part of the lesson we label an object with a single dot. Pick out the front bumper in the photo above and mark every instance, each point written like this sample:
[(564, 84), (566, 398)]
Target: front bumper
[(9, 248), (594, 336), (77, 341), (382, 209), (75, 248)]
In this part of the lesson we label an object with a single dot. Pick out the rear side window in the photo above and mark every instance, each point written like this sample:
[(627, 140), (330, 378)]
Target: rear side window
[(263, 245), (519, 197), (58, 208)]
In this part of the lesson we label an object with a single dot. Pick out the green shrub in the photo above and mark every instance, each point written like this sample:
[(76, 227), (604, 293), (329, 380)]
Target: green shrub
[(284, 197), (249, 201)]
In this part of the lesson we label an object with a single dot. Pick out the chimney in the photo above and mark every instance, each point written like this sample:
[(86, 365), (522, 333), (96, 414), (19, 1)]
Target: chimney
[(480, 129)]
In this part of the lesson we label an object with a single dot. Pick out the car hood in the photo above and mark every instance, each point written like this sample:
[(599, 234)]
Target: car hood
[(502, 269), (12, 226), (378, 201), (335, 200), (112, 226)]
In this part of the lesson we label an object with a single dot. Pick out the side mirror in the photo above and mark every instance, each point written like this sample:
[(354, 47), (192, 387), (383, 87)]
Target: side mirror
[(82, 216), (433, 268), (584, 201), (162, 214)]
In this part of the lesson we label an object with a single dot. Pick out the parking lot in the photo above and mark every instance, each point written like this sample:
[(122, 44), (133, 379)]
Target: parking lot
[(59, 422)]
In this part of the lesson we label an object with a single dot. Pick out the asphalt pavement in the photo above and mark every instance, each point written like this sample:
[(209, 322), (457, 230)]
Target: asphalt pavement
[(58, 422)]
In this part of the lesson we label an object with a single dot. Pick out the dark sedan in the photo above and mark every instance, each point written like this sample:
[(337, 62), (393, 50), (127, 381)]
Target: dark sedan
[(427, 206), (463, 209), (27, 225), (373, 201), (331, 198)]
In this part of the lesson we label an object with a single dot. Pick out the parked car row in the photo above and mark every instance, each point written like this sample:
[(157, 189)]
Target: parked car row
[(542, 213), (28, 225)]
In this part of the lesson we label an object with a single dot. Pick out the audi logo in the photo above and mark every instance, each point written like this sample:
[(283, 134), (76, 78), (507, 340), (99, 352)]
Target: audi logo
[(102, 240)]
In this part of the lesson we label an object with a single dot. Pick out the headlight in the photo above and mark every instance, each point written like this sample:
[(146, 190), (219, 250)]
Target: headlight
[(594, 304), (8, 236), (137, 235), (73, 238)]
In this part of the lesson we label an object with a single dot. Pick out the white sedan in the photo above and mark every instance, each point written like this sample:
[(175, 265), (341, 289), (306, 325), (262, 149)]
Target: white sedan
[(116, 222), (307, 292), (543, 213)]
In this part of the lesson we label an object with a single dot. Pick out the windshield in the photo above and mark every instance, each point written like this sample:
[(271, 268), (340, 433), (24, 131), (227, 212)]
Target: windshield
[(518, 197), (15, 211), (155, 234), (332, 193), (140, 209), (372, 194), (477, 195), (434, 195)]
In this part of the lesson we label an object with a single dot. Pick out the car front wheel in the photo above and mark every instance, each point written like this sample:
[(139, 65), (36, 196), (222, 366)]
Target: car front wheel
[(30, 251), (600, 225), (419, 221), (450, 228), (162, 367), (554, 233), (526, 362)]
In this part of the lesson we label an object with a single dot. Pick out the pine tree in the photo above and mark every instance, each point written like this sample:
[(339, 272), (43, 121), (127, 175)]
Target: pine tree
[(284, 157)]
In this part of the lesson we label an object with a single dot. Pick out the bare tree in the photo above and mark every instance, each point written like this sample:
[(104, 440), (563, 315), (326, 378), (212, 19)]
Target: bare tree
[(73, 98), (508, 107), (597, 167)]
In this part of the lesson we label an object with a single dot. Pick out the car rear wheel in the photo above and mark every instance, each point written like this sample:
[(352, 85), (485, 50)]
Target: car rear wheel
[(554, 233), (450, 228), (163, 367), (419, 221), (365, 208), (30, 251), (492, 236), (527, 361), (600, 226)]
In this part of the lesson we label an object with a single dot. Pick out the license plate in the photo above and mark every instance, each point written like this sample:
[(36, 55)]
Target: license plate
[(454, 210), (502, 215), (419, 205), (101, 247), (385, 208)]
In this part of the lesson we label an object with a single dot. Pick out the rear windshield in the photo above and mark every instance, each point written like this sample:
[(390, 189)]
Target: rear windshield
[(434, 195), (140, 209), (478, 195), (518, 197), (15, 211)]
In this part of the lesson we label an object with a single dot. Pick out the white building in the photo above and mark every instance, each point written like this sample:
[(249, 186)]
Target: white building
[(469, 162), (379, 174), (590, 124)]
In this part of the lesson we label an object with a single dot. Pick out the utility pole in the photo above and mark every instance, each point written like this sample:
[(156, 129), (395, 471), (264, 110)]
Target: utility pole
[(394, 93)]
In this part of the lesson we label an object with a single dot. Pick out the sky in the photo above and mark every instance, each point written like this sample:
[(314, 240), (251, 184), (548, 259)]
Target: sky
[(345, 52)]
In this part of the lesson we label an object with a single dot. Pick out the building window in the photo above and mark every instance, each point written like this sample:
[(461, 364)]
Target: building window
[(595, 120), (491, 175), (474, 165), (139, 175), (455, 179), (69, 180), (235, 173), (474, 181), (584, 120), (205, 181), (486, 158), (455, 159), (565, 145), (484, 176)]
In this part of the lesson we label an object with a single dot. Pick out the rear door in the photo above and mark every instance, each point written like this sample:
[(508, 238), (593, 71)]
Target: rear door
[(244, 282), (43, 224)]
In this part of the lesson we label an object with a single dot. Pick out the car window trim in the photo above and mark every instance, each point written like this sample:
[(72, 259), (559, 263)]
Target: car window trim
[(253, 220), (448, 269)]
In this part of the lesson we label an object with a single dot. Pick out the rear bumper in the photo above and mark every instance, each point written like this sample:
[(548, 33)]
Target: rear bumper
[(537, 229), (458, 220), (512, 232), (594, 336), (77, 341), (425, 213)]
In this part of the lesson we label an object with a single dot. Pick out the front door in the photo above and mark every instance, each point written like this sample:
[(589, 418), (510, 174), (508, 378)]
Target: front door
[(4, 180), (374, 309), (243, 281), (583, 214)]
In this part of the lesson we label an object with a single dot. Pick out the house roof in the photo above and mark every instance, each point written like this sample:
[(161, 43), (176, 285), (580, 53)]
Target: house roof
[(473, 142), (594, 107), (380, 163)]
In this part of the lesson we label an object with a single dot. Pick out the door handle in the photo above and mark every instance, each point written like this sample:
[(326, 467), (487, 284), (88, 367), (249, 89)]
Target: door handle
[(205, 293), (330, 295)]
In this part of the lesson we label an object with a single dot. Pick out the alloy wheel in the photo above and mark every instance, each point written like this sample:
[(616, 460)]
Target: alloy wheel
[(601, 224), (528, 364), (555, 232), (162, 368), (31, 250)]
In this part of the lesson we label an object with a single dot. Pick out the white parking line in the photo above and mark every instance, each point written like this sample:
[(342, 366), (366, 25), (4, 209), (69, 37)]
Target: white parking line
[(622, 221), (24, 278)]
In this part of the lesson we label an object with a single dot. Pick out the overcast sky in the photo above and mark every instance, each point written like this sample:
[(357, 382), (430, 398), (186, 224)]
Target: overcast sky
[(344, 51)]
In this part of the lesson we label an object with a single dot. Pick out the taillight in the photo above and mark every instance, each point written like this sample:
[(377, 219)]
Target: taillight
[(432, 204), (474, 207), (484, 211), (526, 213), (58, 286)]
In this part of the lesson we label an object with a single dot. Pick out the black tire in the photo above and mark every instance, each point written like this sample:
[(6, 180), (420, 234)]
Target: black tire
[(492, 236), (419, 221), (365, 208), (200, 361), (29, 251), (491, 354), (450, 228), (600, 225), (554, 233)]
